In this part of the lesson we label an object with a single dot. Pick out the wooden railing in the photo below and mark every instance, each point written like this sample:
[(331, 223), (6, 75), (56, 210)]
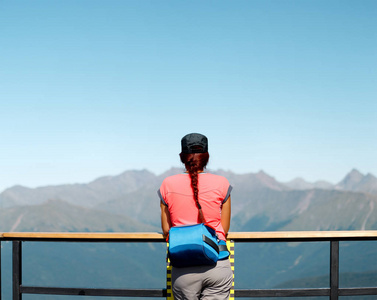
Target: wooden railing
[(333, 237)]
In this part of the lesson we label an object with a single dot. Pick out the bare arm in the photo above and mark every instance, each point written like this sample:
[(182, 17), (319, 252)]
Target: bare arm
[(225, 215), (165, 219)]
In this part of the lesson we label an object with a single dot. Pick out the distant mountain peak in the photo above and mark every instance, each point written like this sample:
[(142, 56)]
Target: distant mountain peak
[(298, 180), (355, 172), (370, 176), (263, 174), (300, 183), (351, 180), (357, 182), (171, 171), (19, 187), (268, 181)]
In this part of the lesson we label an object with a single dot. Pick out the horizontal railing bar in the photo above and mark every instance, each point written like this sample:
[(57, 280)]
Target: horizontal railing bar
[(93, 292), (305, 234), (282, 292), (84, 235), (236, 236), (86, 240), (162, 292), (357, 291), (302, 235)]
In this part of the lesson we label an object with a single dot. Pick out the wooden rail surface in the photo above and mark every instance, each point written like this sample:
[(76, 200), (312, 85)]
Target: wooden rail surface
[(276, 235)]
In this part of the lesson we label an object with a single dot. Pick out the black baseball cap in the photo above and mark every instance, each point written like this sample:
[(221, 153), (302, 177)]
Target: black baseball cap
[(194, 143)]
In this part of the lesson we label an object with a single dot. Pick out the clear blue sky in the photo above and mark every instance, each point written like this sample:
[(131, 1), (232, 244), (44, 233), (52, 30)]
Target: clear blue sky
[(91, 88)]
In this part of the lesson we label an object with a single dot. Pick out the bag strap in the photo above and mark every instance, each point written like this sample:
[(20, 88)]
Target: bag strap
[(223, 248), (218, 247), (211, 243)]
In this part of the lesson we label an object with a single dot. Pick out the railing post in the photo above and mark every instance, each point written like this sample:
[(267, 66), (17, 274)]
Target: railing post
[(334, 270), (230, 245), (17, 269), (169, 287)]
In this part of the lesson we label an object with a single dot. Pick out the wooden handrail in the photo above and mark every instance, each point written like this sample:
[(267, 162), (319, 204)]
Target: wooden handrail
[(303, 234), (332, 237), (83, 235), (286, 235)]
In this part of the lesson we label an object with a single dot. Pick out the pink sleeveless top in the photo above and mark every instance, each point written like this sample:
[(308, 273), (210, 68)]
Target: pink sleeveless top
[(176, 193)]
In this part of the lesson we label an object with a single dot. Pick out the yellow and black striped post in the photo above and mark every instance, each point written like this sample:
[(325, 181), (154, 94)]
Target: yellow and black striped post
[(230, 245), (169, 291)]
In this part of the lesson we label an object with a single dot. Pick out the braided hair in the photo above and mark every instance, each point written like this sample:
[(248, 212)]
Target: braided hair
[(195, 163)]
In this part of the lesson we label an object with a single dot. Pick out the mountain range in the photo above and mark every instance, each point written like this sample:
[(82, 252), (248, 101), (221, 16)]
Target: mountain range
[(131, 198)]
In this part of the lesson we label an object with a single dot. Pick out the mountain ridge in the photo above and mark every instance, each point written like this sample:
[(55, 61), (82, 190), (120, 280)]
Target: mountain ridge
[(260, 202)]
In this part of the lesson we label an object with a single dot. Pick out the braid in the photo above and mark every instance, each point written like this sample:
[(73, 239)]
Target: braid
[(193, 172), (194, 163)]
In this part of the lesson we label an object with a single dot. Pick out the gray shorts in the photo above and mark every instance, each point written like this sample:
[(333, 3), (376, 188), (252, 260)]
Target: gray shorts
[(203, 282)]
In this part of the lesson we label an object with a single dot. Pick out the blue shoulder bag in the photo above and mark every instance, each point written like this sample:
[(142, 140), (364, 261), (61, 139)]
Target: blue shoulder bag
[(195, 245)]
